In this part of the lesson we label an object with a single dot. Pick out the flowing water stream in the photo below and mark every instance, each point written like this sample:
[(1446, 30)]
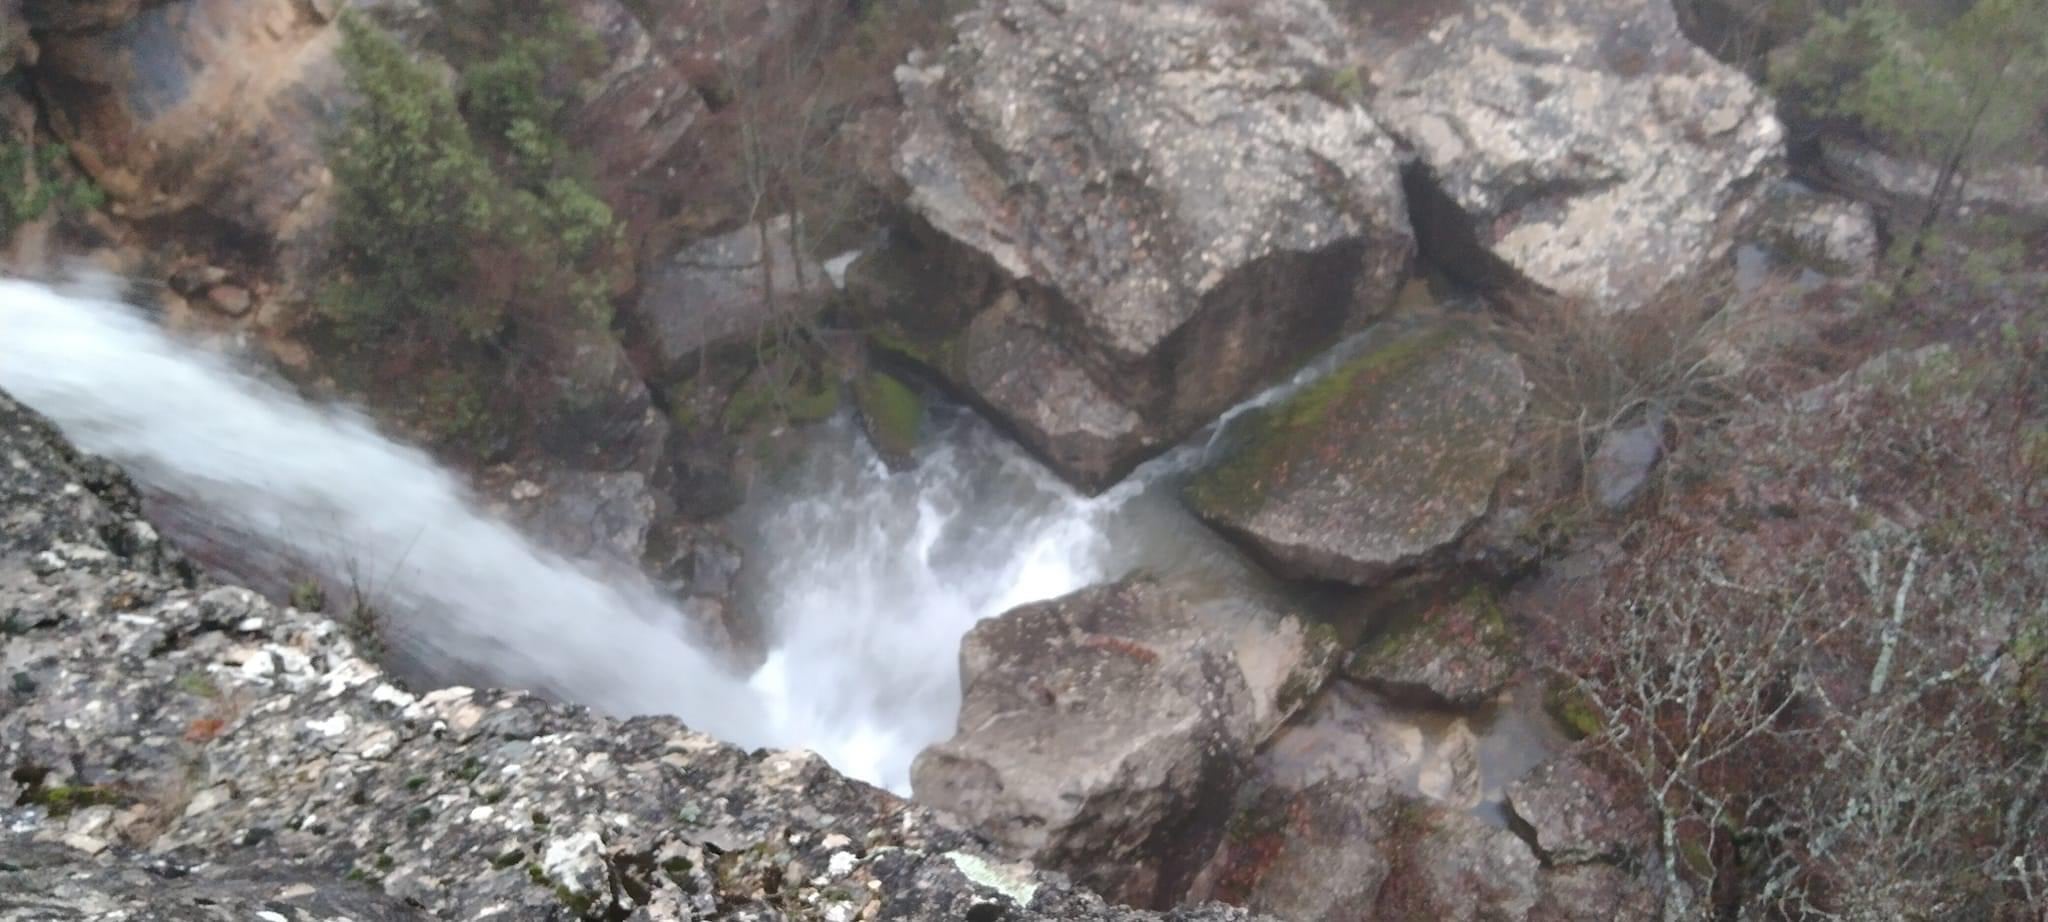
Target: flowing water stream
[(866, 579)]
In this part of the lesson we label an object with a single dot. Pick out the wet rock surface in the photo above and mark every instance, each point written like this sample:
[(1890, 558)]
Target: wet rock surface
[(1329, 829), (1101, 733), (1461, 652), (1170, 204), (1376, 468), (155, 724), (1589, 146)]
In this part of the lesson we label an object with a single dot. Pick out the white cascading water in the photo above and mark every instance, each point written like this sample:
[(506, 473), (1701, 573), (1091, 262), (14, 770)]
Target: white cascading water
[(866, 579), (322, 482)]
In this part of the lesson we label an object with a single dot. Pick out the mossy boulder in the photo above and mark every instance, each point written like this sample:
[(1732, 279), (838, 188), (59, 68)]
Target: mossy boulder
[(1460, 652), (892, 413), (1377, 467)]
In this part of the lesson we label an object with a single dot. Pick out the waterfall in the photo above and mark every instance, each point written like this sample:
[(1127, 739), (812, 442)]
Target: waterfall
[(865, 579), (459, 586)]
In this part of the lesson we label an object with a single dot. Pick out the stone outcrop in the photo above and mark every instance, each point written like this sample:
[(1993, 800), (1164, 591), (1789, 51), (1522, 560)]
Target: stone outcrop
[(728, 291), (1460, 652), (1101, 733), (1377, 467), (205, 113), (1159, 206), (1808, 230), (208, 116), (1450, 865), (2012, 187), (1335, 848), (1586, 145), (156, 724), (1578, 814), (1318, 854)]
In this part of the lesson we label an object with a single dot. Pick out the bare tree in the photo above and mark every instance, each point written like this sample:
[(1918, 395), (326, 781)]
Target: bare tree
[(1824, 675)]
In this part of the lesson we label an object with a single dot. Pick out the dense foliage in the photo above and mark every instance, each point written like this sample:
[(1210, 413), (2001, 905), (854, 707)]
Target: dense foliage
[(33, 185), (464, 226)]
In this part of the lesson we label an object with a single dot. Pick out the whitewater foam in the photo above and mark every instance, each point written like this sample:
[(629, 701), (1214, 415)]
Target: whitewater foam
[(865, 579)]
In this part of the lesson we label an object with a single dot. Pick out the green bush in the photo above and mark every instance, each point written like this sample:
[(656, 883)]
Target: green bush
[(467, 237), (30, 185), (463, 213), (413, 191)]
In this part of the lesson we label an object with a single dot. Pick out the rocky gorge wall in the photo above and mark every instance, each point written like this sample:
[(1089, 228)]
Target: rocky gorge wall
[(178, 749), (1101, 225)]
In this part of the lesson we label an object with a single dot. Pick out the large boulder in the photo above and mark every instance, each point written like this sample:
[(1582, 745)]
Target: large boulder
[(1101, 733), (1314, 854), (1376, 468), (1166, 207), (634, 114), (1450, 865), (1587, 145)]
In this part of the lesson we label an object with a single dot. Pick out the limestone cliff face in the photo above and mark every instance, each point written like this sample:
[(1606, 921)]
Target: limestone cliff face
[(183, 750)]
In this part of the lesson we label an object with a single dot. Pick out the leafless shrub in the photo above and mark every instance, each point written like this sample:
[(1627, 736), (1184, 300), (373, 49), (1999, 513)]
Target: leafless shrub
[(1823, 667), (1688, 358)]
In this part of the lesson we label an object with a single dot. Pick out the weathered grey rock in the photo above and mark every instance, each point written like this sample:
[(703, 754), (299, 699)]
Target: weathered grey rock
[(1592, 149), (1825, 233), (1335, 850), (1317, 854), (152, 720), (634, 114), (45, 883), (1379, 466), (1460, 652), (1171, 205), (1579, 892), (1101, 733), (1578, 814), (1620, 468), (588, 515), (2006, 188), (1285, 661), (1450, 865), (729, 290), (711, 40)]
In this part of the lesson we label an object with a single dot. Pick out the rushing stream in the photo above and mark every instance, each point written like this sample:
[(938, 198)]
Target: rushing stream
[(866, 579)]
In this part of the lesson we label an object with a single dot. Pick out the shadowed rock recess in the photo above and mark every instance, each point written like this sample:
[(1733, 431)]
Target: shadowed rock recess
[(178, 750)]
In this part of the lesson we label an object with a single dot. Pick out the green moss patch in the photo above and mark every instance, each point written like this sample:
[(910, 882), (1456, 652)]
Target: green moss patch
[(893, 413), (1263, 457)]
